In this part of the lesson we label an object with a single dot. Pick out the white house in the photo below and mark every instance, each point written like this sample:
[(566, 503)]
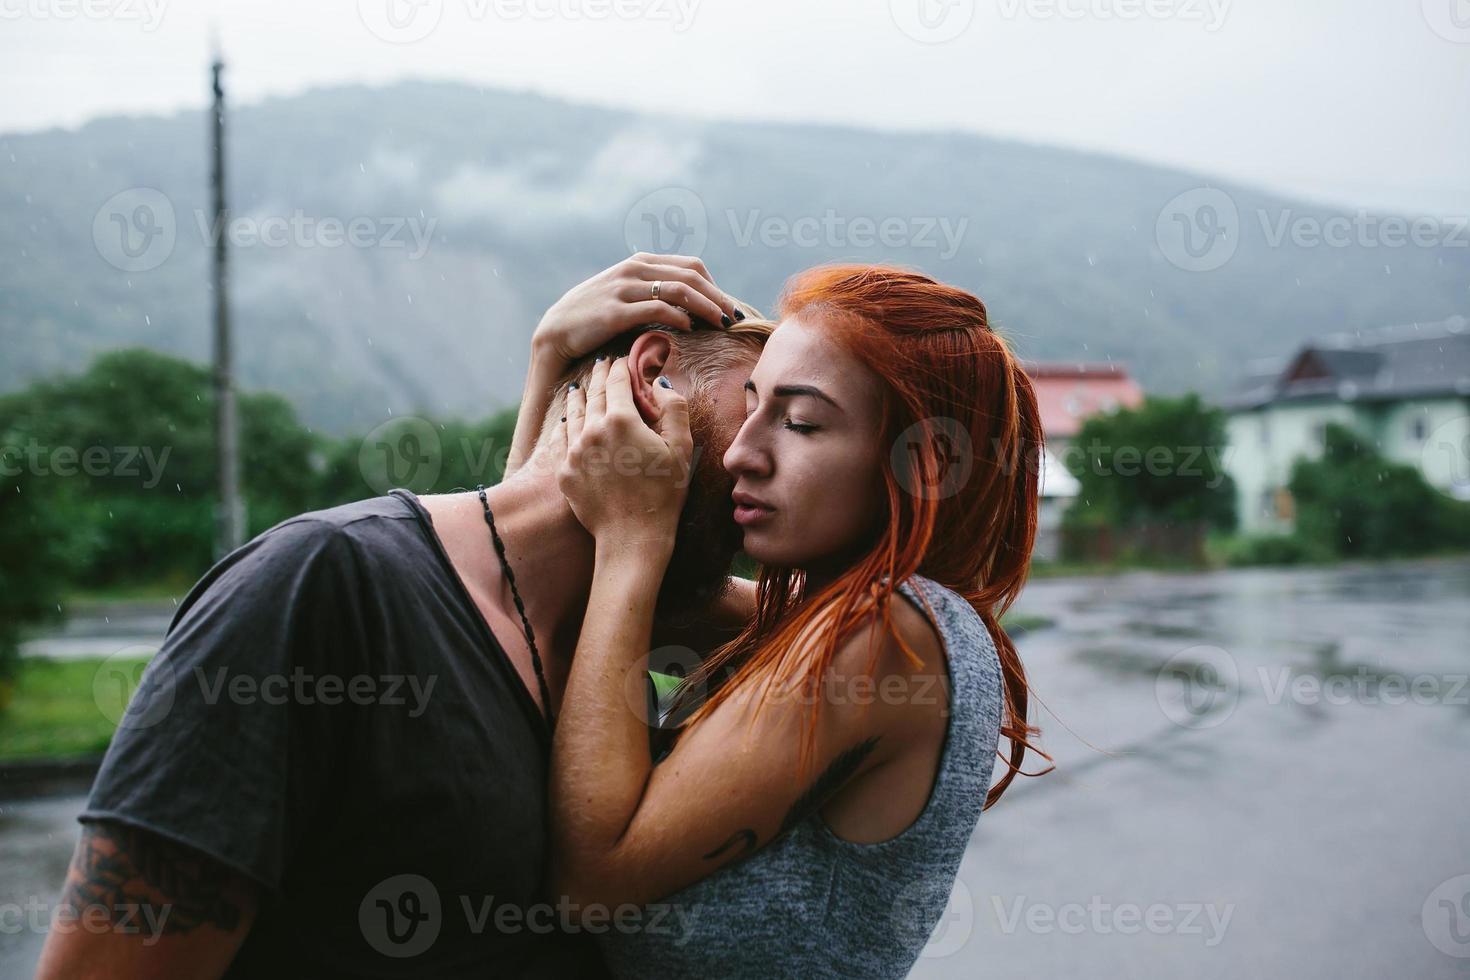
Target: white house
[(1406, 388)]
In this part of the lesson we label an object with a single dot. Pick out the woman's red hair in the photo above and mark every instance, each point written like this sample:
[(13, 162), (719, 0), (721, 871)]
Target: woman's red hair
[(955, 396)]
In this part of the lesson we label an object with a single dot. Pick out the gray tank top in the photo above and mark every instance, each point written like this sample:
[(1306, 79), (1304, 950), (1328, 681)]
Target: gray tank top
[(814, 905)]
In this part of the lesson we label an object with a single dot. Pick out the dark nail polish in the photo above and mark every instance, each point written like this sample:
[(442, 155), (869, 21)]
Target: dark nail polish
[(726, 321), (573, 386), (664, 382), (563, 418), (599, 358), (739, 316)]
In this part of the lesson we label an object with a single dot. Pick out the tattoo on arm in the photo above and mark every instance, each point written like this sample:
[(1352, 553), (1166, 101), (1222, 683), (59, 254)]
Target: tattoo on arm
[(147, 884), (745, 837), (838, 772)]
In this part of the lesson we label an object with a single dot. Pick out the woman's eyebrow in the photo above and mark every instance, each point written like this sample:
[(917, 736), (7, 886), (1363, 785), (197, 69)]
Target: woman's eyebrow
[(792, 391)]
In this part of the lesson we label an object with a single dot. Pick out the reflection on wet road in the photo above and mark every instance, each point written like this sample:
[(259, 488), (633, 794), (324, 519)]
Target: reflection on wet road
[(1260, 773)]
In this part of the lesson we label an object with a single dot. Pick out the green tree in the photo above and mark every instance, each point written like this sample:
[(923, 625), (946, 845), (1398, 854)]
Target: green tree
[(419, 454), (1161, 463), (123, 455), (34, 548)]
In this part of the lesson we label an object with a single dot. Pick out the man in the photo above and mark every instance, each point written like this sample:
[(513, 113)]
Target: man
[(336, 765)]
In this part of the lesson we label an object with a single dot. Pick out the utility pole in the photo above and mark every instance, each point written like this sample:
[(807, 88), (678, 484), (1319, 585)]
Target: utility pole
[(230, 516)]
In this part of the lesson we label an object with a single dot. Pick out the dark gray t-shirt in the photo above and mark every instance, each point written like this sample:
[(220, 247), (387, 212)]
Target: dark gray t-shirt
[(331, 716)]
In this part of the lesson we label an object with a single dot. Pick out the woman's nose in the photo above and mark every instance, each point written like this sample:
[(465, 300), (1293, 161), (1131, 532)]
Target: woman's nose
[(745, 456)]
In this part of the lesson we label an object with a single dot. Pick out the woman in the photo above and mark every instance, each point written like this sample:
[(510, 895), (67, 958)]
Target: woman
[(811, 817)]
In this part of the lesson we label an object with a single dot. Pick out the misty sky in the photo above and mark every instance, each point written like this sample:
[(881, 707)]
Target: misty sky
[(1360, 102)]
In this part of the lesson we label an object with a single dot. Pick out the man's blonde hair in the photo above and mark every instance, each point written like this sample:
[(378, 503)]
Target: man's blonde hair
[(704, 353)]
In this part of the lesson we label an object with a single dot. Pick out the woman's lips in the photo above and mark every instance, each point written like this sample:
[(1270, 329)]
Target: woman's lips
[(748, 514)]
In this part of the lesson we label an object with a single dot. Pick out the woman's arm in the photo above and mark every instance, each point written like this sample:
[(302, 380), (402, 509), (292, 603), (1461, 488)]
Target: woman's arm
[(593, 312), (545, 371), (624, 831)]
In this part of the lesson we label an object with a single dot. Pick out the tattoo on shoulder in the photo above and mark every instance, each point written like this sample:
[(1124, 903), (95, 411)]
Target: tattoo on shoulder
[(147, 885), (838, 772)]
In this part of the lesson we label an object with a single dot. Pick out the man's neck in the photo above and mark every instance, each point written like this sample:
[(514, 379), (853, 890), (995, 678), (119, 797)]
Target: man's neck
[(550, 554)]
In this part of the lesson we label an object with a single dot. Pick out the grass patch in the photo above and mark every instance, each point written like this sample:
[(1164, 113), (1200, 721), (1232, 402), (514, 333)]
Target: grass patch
[(56, 712)]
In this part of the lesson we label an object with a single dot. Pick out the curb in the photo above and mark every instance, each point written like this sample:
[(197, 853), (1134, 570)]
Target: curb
[(25, 779)]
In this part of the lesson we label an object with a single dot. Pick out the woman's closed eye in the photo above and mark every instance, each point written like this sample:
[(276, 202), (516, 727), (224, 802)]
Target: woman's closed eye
[(801, 428)]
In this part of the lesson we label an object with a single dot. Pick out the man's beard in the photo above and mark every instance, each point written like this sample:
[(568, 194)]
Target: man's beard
[(708, 537)]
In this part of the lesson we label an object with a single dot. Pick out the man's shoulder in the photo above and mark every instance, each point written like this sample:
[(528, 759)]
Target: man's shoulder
[(359, 525), (335, 543)]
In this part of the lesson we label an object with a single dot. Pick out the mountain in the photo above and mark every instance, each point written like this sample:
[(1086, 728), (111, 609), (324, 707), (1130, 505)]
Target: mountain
[(392, 248)]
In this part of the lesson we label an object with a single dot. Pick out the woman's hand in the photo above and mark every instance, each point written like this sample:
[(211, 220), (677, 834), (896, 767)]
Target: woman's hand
[(622, 297), (626, 482), (592, 313)]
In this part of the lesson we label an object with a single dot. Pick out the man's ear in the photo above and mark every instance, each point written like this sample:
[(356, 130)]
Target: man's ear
[(650, 356)]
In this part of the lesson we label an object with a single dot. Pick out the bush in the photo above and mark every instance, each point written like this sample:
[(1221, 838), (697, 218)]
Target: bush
[(1354, 503), (1274, 549)]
